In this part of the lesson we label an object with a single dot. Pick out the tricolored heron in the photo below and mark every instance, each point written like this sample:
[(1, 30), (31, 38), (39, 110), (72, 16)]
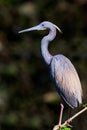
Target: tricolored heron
[(62, 70)]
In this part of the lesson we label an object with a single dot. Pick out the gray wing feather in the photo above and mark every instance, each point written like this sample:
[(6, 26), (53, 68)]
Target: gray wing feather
[(67, 81)]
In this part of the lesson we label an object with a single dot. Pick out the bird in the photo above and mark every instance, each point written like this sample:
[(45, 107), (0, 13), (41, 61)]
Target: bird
[(62, 71)]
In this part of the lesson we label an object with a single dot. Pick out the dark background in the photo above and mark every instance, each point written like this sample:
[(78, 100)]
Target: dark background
[(28, 99)]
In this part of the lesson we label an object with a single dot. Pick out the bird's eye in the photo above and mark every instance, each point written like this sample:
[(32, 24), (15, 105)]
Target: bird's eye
[(42, 25)]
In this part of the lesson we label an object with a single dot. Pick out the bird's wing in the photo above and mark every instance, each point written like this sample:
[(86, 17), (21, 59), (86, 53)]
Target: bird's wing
[(67, 81)]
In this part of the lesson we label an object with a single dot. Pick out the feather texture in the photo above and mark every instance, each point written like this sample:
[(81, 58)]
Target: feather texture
[(67, 81)]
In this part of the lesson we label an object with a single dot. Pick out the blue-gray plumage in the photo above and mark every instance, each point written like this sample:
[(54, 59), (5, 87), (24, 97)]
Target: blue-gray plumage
[(62, 70), (67, 81)]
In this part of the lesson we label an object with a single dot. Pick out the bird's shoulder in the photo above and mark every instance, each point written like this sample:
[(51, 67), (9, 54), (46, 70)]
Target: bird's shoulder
[(61, 64)]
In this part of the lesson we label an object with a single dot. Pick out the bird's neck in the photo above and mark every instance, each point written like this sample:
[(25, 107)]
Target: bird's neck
[(44, 45)]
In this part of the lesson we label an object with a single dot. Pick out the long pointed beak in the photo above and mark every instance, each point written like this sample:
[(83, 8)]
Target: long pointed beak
[(30, 29)]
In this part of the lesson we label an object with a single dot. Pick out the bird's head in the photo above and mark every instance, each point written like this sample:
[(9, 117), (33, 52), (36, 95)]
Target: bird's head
[(42, 26)]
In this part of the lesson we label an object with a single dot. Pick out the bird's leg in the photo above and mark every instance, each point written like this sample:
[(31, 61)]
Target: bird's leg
[(61, 114)]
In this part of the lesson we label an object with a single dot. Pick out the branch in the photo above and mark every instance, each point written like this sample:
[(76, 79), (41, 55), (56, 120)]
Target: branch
[(66, 123), (73, 117)]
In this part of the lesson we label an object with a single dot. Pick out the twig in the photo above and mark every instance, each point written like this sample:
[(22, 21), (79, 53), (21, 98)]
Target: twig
[(73, 117), (66, 123)]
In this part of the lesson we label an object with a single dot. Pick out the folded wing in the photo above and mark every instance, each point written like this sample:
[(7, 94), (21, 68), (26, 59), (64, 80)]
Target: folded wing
[(67, 81)]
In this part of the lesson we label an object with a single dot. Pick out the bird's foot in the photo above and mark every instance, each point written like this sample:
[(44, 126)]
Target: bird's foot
[(56, 127)]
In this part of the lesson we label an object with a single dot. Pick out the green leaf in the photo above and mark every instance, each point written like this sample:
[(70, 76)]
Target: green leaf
[(84, 105), (65, 128)]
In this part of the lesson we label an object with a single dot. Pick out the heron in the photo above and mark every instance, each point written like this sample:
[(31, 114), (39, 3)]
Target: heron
[(62, 70)]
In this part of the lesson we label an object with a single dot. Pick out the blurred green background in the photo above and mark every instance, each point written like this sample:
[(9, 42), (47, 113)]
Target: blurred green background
[(28, 99)]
